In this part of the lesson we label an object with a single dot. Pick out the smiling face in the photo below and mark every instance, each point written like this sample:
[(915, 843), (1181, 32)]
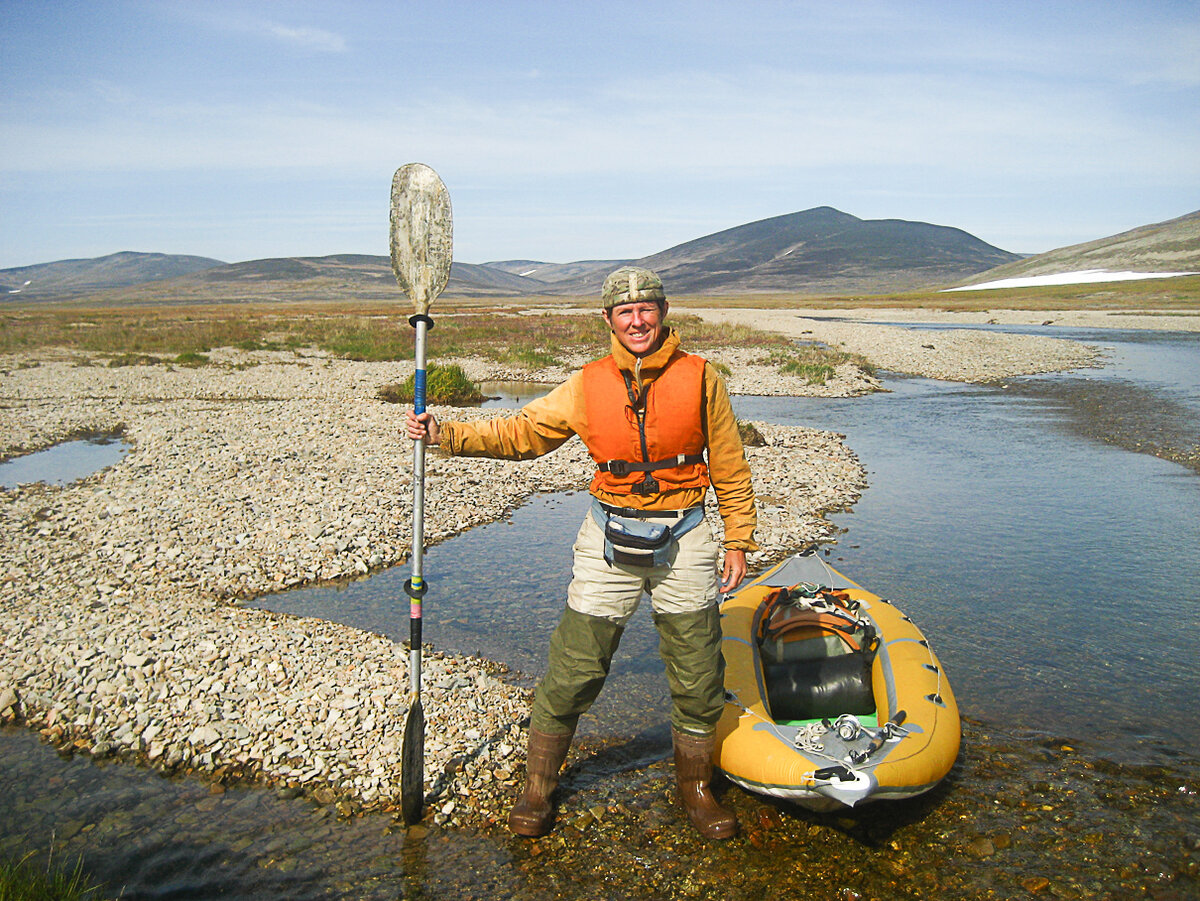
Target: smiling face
[(638, 326)]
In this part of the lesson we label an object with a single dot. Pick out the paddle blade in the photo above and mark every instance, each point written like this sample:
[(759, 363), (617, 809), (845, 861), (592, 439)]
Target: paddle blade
[(422, 234), (412, 764)]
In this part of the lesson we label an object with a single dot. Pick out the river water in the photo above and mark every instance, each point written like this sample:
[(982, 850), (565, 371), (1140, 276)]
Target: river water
[(1041, 532)]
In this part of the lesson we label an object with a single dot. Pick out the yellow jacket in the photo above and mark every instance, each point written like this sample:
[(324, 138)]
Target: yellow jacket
[(547, 422)]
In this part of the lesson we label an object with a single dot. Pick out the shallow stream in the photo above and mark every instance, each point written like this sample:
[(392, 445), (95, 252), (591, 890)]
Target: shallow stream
[(64, 463)]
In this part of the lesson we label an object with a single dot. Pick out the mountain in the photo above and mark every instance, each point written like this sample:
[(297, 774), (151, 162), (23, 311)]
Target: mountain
[(75, 278), (339, 277), (823, 250), (558, 273), (335, 277), (358, 272), (1170, 246), (818, 251)]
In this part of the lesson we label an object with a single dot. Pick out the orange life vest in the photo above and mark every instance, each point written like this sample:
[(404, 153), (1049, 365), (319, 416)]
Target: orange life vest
[(672, 424)]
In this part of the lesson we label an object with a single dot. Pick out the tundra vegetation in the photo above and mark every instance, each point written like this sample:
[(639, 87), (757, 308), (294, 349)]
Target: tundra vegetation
[(185, 336)]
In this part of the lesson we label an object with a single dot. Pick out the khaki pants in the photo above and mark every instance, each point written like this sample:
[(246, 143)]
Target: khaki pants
[(687, 584), (600, 601)]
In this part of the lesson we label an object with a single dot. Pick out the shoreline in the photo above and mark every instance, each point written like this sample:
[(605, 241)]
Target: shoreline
[(960, 354), (1149, 320), (121, 592)]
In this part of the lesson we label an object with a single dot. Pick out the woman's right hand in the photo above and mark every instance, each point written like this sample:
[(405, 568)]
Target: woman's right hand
[(423, 426)]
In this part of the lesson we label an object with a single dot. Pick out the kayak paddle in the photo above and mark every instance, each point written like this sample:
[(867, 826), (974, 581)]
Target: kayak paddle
[(422, 239)]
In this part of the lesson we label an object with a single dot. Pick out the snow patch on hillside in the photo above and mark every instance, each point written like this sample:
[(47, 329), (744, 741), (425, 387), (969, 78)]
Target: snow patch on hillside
[(1083, 276)]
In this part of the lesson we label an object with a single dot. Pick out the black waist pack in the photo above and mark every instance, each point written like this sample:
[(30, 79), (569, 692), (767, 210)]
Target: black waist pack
[(637, 542), (642, 542)]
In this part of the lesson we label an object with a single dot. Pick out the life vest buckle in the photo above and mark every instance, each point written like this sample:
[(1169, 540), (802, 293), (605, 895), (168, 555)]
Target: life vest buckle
[(646, 486)]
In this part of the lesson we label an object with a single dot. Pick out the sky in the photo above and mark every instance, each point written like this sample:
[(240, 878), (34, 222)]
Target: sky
[(585, 130)]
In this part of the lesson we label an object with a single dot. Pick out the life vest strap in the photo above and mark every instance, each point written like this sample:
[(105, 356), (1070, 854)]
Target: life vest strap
[(624, 467)]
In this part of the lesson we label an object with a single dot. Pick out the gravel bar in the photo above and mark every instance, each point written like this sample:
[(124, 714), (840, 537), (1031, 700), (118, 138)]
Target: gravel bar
[(958, 354), (124, 634)]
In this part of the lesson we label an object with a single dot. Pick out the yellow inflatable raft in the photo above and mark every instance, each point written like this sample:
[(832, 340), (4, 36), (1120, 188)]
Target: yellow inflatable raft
[(832, 695)]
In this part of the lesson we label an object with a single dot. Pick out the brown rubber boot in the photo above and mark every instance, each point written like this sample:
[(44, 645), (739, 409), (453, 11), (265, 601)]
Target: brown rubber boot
[(532, 815), (693, 772)]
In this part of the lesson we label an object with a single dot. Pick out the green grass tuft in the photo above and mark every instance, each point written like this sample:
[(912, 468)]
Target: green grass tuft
[(132, 359), (816, 363), (22, 880), (813, 373), (443, 385), (750, 435), (527, 358)]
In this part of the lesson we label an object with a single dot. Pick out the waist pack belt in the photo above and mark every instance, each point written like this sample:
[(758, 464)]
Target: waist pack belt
[(634, 541), (635, 513)]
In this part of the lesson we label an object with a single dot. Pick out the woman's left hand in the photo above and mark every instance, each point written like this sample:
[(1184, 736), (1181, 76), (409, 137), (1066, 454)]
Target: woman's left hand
[(735, 570)]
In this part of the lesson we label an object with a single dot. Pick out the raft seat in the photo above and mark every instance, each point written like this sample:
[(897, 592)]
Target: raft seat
[(815, 668)]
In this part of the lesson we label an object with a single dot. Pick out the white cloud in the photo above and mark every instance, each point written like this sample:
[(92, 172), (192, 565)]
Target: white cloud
[(308, 38), (690, 123), (243, 19)]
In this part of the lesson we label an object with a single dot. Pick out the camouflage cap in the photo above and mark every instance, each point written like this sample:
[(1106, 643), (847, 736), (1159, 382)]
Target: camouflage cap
[(630, 284)]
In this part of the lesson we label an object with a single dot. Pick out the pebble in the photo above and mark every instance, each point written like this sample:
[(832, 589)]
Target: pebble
[(121, 593)]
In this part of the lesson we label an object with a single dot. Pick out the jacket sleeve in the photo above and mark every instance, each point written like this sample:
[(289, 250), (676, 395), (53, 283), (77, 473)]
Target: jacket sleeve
[(727, 466), (537, 428)]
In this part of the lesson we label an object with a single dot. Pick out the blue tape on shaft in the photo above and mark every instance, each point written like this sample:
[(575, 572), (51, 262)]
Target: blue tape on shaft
[(419, 391)]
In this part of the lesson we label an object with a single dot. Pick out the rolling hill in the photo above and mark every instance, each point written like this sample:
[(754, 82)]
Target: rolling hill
[(357, 273), (817, 251), (76, 278), (824, 250), (339, 277), (558, 273), (1170, 246)]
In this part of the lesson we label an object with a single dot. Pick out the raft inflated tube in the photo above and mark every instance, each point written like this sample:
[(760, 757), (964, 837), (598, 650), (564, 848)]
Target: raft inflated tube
[(904, 749)]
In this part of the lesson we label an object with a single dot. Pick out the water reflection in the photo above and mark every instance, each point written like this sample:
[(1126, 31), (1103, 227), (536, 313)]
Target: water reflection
[(497, 591), (150, 837), (1037, 565), (511, 395)]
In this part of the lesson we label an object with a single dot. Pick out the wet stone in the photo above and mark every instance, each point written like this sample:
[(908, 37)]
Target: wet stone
[(981, 847)]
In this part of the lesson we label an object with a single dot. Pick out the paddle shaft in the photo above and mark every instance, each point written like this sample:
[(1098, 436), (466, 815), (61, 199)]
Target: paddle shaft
[(421, 325)]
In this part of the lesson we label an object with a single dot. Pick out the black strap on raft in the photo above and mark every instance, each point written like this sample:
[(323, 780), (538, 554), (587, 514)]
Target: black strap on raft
[(829, 773)]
